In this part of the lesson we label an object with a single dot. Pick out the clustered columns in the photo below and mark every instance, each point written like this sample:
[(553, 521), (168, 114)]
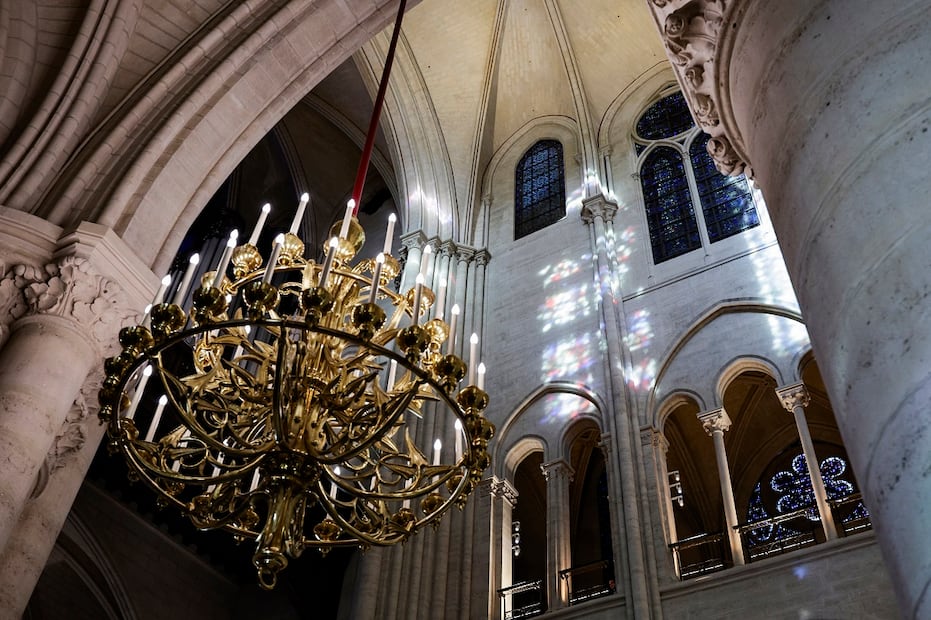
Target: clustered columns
[(558, 476), (715, 423), (795, 398)]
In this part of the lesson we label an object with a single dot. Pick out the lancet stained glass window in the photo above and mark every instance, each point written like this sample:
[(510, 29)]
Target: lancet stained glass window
[(726, 201), (670, 216), (666, 118), (539, 189), (727, 206)]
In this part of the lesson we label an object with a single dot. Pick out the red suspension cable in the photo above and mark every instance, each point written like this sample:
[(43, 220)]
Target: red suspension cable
[(376, 113)]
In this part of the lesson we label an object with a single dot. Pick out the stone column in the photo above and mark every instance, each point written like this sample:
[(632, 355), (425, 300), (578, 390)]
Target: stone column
[(464, 255), (598, 213), (558, 476), (715, 423), (827, 102), (478, 293), (75, 307), (493, 501), (412, 243), (795, 398)]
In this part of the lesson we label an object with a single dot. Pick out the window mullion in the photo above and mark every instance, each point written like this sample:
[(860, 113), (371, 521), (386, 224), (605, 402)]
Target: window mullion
[(697, 207)]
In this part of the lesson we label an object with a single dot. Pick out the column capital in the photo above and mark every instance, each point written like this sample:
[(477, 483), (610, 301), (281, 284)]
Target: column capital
[(692, 32), (415, 239), (792, 396), (598, 207), (482, 257), (448, 248), (505, 490), (559, 468), (715, 420)]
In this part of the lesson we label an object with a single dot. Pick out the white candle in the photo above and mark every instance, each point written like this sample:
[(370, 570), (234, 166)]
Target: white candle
[(376, 276), (458, 439), (451, 341), (299, 216), (137, 395), (437, 449), (441, 300), (389, 235), (418, 292), (273, 259), (225, 259), (328, 263), (392, 371), (344, 229), (254, 238), (186, 280), (473, 357), (333, 484), (160, 294), (425, 261), (481, 376), (255, 480), (162, 401)]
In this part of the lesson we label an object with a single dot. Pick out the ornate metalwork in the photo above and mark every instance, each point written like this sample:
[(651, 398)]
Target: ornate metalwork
[(279, 424)]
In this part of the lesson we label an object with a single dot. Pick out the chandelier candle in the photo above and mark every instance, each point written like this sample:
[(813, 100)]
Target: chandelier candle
[(376, 277), (162, 401), (344, 229), (140, 390), (440, 299), (389, 234), (299, 216), (328, 262), (273, 259), (254, 238), (225, 259), (182, 291), (473, 357), (451, 341), (418, 293)]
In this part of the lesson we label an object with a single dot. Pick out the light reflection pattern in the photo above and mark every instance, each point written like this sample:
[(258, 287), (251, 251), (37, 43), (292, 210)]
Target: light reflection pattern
[(557, 408)]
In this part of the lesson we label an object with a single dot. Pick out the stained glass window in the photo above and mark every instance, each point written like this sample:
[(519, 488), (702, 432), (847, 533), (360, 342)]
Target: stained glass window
[(666, 118), (791, 489), (726, 201), (540, 188), (670, 216)]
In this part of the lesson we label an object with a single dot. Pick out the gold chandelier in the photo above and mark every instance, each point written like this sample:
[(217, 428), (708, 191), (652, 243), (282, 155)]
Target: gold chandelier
[(290, 396)]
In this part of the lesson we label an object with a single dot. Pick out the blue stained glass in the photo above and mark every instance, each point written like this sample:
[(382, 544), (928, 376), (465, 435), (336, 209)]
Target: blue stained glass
[(670, 216), (666, 118), (726, 201), (539, 188)]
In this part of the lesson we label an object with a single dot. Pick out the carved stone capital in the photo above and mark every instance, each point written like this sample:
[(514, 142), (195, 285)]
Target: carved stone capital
[(448, 248), (465, 253), (414, 240), (792, 396), (598, 207), (692, 31), (715, 420), (481, 257), (505, 490), (557, 469)]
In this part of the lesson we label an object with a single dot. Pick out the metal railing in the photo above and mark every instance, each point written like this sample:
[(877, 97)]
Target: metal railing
[(523, 600), (589, 581), (706, 553), (699, 555)]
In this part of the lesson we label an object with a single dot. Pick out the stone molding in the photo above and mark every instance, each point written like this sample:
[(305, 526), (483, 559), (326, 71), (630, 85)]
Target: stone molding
[(505, 490), (692, 31), (792, 396), (715, 420), (598, 207), (69, 289), (461, 253), (557, 469)]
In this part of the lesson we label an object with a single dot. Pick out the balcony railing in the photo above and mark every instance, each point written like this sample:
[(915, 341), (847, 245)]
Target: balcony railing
[(523, 600), (700, 555), (706, 553), (589, 581)]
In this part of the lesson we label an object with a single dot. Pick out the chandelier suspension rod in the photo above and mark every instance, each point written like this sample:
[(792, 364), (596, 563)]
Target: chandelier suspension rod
[(376, 112)]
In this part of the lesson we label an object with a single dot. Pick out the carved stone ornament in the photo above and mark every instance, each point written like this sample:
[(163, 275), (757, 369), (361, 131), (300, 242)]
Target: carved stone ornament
[(557, 469), (68, 289), (793, 396), (691, 30), (715, 420)]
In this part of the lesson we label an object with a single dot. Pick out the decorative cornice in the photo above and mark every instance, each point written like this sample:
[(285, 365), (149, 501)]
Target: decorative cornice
[(557, 469), (505, 490), (691, 31), (715, 420), (598, 207), (792, 396)]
